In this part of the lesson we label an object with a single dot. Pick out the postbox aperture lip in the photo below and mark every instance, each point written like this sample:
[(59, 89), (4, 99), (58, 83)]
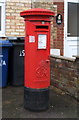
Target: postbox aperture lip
[(37, 11)]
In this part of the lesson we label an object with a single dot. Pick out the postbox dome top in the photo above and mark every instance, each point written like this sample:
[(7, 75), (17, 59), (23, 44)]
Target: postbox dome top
[(37, 11)]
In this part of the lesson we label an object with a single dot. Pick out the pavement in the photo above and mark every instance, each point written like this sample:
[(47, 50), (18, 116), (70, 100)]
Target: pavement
[(60, 105)]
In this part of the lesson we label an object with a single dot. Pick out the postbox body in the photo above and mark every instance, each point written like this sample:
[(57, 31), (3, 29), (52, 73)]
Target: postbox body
[(37, 49)]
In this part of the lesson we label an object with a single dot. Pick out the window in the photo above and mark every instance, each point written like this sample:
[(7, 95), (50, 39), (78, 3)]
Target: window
[(2, 18), (78, 20), (73, 11)]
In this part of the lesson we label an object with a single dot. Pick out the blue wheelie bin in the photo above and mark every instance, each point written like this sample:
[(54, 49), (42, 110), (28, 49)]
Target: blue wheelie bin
[(4, 50)]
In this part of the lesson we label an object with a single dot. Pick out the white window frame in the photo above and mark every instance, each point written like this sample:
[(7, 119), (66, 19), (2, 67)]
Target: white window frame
[(2, 4), (66, 21)]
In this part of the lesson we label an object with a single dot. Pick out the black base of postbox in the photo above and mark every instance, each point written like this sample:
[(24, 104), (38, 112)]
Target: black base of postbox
[(36, 99)]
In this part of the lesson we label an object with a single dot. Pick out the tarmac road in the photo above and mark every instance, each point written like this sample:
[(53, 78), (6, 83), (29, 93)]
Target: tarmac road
[(61, 105)]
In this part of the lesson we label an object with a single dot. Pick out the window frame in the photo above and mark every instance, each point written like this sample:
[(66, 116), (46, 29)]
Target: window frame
[(68, 40), (2, 4)]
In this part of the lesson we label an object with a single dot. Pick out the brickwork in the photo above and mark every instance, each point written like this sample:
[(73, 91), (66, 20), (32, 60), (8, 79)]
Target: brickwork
[(59, 38), (65, 74), (14, 23)]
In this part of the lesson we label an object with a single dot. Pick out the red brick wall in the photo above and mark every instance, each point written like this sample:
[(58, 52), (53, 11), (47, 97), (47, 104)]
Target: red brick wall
[(58, 41), (65, 74)]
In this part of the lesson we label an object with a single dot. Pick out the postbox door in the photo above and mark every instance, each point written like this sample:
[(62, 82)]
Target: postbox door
[(42, 71)]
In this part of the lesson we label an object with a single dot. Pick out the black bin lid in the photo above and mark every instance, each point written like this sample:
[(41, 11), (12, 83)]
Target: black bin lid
[(16, 40)]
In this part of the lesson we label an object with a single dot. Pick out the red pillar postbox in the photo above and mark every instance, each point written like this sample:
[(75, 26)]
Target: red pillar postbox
[(37, 58)]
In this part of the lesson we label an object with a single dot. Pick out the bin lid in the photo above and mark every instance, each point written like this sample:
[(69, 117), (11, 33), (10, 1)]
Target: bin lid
[(37, 11), (16, 40), (5, 43), (19, 39)]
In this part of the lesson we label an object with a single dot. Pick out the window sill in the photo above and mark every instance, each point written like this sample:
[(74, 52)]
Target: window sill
[(3, 35)]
